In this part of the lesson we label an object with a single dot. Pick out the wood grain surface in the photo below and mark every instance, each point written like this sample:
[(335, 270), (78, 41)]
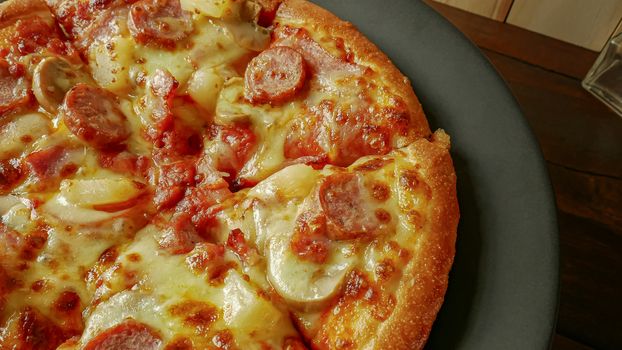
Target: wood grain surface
[(585, 23), (495, 9), (582, 143)]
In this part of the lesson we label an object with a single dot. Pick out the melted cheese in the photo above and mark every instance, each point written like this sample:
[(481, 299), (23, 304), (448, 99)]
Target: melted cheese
[(266, 215), (19, 133), (163, 282), (269, 124), (16, 214), (145, 282), (61, 265)]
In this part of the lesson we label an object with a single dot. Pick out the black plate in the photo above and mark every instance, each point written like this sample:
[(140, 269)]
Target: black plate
[(503, 288)]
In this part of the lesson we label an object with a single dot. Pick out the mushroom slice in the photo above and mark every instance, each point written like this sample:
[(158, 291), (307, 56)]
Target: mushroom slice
[(304, 284), (53, 77)]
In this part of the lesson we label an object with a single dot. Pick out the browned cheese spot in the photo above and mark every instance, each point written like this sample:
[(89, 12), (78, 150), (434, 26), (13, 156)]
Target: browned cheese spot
[(198, 315)]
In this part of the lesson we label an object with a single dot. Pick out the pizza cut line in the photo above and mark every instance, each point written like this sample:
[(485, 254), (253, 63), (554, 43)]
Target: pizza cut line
[(221, 174)]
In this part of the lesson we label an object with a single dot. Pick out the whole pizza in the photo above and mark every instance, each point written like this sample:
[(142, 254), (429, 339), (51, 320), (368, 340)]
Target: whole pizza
[(214, 174)]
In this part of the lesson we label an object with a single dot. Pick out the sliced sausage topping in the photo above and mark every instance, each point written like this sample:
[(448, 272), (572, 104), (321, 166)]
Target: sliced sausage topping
[(13, 87), (320, 61), (129, 335), (31, 34), (53, 77), (274, 76), (346, 214), (159, 22), (48, 166), (93, 115)]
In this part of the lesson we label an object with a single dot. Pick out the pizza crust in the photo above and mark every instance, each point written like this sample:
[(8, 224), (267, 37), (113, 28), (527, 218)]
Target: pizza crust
[(421, 293), (315, 18)]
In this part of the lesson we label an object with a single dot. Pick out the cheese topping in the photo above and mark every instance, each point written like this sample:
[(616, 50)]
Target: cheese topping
[(117, 198)]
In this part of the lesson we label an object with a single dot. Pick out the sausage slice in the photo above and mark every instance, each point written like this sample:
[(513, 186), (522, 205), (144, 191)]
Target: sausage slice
[(274, 76), (93, 115)]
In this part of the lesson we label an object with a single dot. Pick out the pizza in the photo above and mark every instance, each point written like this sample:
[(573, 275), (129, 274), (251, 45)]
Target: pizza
[(214, 174)]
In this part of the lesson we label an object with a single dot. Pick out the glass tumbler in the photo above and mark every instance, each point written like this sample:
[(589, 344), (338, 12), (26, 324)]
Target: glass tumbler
[(604, 80)]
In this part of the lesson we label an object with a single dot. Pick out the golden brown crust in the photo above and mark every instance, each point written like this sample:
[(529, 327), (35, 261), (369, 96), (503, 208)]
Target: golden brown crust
[(315, 18), (422, 290), (13, 10), (420, 295)]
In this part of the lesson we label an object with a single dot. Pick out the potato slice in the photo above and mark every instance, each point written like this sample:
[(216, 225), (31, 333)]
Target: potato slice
[(22, 131), (109, 63), (92, 193), (242, 307), (17, 216), (293, 182), (302, 283), (52, 78), (206, 84), (8, 202)]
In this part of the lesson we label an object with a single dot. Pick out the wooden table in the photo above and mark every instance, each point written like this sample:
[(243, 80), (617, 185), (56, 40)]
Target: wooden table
[(582, 143)]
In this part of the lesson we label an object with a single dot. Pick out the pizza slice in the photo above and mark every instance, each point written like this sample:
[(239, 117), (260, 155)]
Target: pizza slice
[(308, 89), (126, 129), (320, 94), (147, 298), (360, 255), (63, 199), (222, 102)]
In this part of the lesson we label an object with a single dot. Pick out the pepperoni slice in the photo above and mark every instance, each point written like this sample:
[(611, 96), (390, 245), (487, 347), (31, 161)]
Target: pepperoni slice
[(49, 166), (14, 90), (238, 245), (31, 35), (52, 78), (159, 22), (346, 215), (124, 162), (177, 142), (274, 76), (129, 335), (92, 114), (201, 203), (320, 61), (205, 256)]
